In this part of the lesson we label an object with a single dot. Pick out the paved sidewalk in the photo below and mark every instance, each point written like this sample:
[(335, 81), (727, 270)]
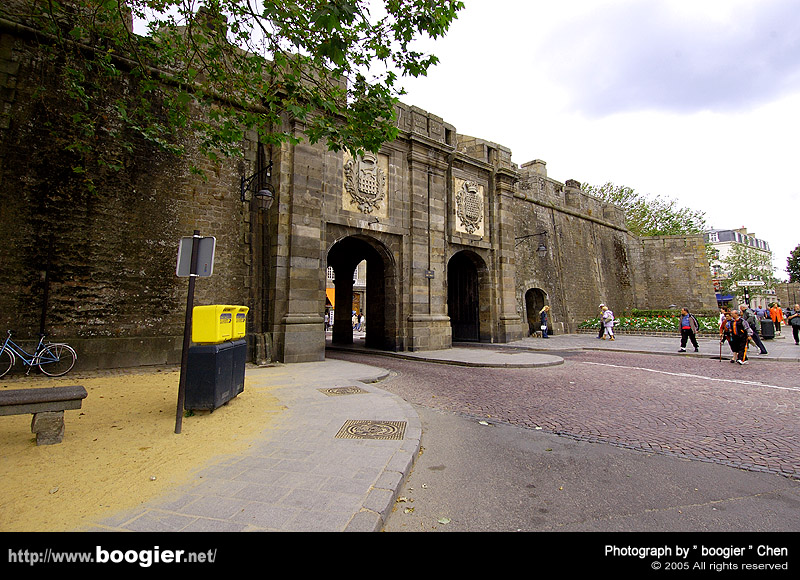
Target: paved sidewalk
[(298, 475), (338, 454), (778, 349)]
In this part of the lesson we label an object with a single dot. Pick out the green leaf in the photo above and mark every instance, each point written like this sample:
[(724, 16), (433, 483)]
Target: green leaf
[(307, 58)]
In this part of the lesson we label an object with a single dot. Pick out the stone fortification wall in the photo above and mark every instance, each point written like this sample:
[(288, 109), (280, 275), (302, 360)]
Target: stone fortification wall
[(591, 258), (112, 288), (788, 294), (587, 260), (672, 270)]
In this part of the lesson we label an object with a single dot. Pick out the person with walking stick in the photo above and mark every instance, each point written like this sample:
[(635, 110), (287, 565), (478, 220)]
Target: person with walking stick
[(739, 338)]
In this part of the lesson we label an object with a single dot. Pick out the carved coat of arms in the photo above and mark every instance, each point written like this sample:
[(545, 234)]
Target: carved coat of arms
[(365, 181), (469, 206)]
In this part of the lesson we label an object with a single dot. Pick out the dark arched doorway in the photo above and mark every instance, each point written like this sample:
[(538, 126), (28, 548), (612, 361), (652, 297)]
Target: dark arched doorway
[(464, 296), (380, 296), (534, 302)]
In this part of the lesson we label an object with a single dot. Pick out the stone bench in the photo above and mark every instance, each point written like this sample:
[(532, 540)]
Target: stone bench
[(47, 406)]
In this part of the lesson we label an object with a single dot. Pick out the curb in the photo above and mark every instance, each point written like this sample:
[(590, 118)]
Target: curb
[(381, 499), (422, 357)]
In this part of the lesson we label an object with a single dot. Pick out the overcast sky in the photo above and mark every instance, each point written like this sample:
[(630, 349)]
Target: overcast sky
[(694, 100)]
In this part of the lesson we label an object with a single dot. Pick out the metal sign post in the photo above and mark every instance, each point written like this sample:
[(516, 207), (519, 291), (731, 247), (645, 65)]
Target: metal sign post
[(199, 248), (747, 284), (192, 253)]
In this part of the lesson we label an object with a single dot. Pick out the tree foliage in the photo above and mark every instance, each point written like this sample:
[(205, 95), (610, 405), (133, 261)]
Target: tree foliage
[(334, 65), (793, 264), (649, 216), (743, 263)]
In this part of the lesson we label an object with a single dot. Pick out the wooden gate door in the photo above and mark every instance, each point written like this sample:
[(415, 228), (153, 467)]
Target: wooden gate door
[(462, 299)]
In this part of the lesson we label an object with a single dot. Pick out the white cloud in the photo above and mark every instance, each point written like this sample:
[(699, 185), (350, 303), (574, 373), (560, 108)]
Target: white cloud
[(650, 56), (695, 101)]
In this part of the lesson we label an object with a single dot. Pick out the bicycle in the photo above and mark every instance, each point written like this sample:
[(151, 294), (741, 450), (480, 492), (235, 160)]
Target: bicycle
[(52, 358)]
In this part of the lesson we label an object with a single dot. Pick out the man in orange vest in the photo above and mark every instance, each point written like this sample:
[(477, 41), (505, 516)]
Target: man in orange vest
[(776, 314)]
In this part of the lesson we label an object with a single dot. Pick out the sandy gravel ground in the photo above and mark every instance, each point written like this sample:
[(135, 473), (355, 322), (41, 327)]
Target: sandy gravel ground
[(119, 450)]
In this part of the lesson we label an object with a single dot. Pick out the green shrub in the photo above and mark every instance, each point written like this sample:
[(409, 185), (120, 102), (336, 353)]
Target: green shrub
[(657, 320)]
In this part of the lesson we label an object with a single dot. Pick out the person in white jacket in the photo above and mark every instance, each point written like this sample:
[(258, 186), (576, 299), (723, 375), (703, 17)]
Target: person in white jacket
[(608, 323)]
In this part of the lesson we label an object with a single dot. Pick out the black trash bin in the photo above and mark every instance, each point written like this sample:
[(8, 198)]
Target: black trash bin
[(767, 329), (239, 348), (214, 374)]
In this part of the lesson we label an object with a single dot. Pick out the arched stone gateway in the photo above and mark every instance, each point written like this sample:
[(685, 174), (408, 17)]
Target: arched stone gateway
[(380, 309), (454, 236)]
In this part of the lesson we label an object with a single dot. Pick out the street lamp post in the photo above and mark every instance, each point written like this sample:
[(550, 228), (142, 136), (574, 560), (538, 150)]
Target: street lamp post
[(263, 198), (266, 194), (542, 249)]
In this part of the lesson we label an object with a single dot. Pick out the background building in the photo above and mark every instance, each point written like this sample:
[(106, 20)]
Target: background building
[(721, 243), (359, 291)]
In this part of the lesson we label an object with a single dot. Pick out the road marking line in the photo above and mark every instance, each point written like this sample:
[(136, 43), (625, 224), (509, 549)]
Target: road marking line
[(687, 375)]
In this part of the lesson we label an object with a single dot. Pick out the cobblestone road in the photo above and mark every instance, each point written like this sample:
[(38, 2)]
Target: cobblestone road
[(697, 408)]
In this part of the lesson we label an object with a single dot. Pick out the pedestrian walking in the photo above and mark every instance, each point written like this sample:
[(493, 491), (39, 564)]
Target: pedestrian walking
[(776, 314), (689, 327), (608, 323), (754, 325), (739, 337), (723, 311), (794, 321), (602, 327), (362, 323), (725, 331), (545, 323)]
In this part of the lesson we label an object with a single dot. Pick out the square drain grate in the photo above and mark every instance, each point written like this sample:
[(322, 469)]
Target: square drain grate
[(365, 429), (338, 391)]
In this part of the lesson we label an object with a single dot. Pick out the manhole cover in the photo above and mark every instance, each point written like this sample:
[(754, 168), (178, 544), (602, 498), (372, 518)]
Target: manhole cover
[(335, 391), (372, 430)]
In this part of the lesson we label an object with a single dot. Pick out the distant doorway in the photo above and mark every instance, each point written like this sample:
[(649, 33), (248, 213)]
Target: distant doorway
[(534, 302)]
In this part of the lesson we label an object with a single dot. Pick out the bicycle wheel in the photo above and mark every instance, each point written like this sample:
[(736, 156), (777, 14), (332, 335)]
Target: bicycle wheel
[(6, 361), (56, 359)]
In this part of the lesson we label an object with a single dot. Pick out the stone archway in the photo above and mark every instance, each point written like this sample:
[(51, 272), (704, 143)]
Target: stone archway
[(468, 297), (535, 299), (380, 310)]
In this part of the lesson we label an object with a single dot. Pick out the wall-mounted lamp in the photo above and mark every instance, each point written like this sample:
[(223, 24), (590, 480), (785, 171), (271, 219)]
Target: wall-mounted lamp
[(266, 194), (542, 249)]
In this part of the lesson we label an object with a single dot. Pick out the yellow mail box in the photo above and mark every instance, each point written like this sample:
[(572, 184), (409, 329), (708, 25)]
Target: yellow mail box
[(213, 324), (240, 321)]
